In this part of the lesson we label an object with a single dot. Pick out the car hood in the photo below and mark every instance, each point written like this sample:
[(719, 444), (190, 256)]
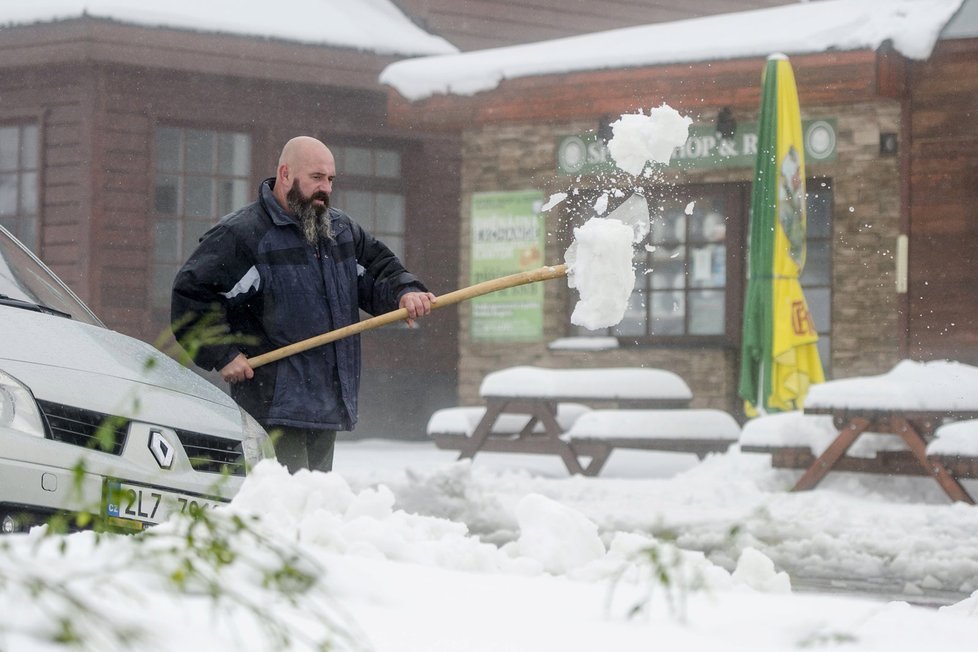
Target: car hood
[(95, 368)]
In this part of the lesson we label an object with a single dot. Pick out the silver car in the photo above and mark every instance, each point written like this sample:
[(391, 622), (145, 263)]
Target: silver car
[(95, 422)]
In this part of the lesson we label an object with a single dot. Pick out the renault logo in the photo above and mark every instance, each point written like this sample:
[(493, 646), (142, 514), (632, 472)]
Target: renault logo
[(161, 449)]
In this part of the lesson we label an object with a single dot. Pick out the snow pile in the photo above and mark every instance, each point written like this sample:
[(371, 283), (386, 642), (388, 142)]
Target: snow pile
[(642, 139), (389, 545), (600, 267), (321, 510), (755, 570), (559, 537)]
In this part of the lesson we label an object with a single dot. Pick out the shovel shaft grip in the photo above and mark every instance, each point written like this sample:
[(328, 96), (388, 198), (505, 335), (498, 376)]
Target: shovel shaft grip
[(494, 285)]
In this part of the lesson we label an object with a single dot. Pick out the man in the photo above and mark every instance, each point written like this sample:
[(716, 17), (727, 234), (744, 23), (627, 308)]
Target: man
[(280, 270)]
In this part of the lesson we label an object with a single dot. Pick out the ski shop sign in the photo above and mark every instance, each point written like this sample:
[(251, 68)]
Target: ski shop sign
[(586, 153)]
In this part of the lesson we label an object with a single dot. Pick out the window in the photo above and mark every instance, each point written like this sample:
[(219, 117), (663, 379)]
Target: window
[(370, 188), (681, 284), (816, 278), (200, 177), (19, 187), (689, 282)]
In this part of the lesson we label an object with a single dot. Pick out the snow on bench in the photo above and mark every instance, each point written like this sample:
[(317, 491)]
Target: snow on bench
[(810, 432), (955, 439), (697, 431)]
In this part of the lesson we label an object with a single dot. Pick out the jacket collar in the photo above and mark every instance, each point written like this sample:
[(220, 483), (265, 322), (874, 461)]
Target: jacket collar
[(271, 205)]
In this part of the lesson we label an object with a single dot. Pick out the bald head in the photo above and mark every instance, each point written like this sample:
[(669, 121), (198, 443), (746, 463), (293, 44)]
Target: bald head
[(301, 148), (306, 164)]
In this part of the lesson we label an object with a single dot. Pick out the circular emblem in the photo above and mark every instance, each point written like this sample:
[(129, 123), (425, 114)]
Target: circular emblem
[(572, 155), (820, 140)]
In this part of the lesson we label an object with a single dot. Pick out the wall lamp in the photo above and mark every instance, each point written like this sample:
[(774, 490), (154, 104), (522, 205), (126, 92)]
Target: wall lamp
[(726, 125)]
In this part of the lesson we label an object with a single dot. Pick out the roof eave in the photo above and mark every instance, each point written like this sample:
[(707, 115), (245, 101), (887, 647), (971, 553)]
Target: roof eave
[(88, 39)]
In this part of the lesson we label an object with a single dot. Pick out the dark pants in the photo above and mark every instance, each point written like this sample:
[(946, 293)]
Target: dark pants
[(303, 448)]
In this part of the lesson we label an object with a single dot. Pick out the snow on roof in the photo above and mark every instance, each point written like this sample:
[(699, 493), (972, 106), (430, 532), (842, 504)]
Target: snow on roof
[(370, 25), (912, 26)]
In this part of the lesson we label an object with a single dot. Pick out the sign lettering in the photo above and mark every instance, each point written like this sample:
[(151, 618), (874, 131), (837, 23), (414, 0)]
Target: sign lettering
[(587, 154)]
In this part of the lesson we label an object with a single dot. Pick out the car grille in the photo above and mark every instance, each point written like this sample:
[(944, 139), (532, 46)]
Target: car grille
[(211, 454), (81, 427)]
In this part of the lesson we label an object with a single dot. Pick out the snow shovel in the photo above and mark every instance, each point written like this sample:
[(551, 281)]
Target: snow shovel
[(494, 285)]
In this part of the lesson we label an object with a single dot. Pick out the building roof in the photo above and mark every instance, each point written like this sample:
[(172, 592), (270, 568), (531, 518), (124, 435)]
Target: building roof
[(375, 26), (911, 26)]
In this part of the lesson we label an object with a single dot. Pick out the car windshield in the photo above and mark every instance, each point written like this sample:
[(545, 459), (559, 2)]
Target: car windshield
[(25, 281)]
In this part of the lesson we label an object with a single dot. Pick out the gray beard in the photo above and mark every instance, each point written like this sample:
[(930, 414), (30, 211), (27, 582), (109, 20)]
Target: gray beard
[(315, 225), (314, 220)]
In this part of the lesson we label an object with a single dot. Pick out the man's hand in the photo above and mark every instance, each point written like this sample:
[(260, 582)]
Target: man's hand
[(237, 370), (418, 304)]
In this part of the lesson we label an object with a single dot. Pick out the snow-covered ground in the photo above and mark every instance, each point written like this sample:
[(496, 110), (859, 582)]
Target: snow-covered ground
[(407, 549)]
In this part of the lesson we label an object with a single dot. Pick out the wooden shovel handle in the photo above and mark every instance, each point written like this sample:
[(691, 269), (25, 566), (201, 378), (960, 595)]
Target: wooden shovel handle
[(477, 290)]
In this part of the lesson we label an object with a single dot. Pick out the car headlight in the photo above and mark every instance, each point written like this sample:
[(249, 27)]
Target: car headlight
[(18, 409), (256, 445)]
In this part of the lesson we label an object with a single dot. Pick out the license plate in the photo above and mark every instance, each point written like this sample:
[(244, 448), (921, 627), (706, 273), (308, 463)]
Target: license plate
[(150, 505)]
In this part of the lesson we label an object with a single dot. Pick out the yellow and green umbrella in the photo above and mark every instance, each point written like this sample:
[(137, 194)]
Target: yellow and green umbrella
[(779, 357)]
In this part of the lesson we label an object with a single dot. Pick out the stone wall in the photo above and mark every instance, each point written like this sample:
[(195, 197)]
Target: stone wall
[(499, 157)]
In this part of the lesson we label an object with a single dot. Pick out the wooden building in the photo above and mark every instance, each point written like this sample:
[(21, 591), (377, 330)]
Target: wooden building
[(892, 195), (120, 144)]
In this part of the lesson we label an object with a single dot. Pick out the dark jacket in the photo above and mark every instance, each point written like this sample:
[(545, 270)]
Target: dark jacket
[(258, 285)]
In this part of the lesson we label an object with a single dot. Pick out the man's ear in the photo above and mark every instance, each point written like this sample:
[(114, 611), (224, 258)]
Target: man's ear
[(283, 172)]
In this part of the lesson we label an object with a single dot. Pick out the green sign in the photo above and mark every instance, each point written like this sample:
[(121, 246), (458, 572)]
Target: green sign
[(586, 154), (507, 237)]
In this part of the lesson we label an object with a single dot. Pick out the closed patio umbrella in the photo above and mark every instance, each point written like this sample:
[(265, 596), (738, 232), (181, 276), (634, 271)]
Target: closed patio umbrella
[(779, 356)]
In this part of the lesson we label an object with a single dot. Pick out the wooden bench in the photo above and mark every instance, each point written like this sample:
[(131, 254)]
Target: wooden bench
[(452, 428), (536, 394), (794, 440), (700, 431)]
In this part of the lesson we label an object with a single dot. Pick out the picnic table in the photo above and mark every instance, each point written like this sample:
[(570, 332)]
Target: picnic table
[(548, 402), (909, 405)]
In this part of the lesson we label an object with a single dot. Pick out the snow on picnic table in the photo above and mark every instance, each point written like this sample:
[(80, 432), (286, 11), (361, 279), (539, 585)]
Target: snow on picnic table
[(938, 386)]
